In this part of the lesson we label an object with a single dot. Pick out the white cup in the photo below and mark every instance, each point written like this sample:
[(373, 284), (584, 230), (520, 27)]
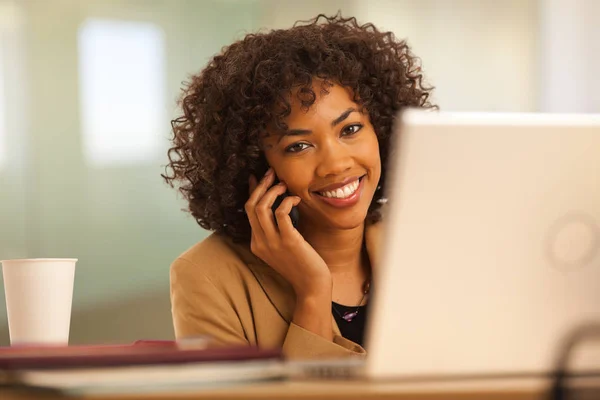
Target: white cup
[(39, 295)]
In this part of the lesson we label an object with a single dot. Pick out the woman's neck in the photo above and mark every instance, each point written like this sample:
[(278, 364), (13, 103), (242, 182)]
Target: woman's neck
[(342, 250)]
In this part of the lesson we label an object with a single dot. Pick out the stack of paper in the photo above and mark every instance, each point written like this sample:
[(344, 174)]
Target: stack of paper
[(134, 368)]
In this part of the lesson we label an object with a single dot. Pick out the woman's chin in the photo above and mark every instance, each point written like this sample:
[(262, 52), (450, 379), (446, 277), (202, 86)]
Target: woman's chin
[(345, 222), (339, 218)]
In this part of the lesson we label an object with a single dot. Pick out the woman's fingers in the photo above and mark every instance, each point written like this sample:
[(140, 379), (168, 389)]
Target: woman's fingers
[(252, 183), (256, 193), (264, 212), (282, 214), (259, 190)]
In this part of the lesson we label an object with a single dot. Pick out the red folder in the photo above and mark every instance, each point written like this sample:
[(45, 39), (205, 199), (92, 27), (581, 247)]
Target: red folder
[(138, 353)]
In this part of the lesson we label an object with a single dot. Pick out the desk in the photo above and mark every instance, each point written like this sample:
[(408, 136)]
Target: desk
[(522, 389)]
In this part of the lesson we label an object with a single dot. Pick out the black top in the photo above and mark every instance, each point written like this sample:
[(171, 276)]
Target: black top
[(355, 329)]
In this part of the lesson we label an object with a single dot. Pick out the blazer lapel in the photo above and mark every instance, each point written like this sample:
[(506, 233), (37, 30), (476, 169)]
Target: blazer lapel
[(279, 292)]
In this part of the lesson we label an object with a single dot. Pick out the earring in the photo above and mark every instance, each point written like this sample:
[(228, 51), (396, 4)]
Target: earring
[(382, 200)]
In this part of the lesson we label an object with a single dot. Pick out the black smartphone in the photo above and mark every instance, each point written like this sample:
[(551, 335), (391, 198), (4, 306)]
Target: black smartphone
[(294, 214)]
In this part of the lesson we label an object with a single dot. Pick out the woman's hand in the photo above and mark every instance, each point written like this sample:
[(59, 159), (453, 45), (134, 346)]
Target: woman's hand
[(280, 245)]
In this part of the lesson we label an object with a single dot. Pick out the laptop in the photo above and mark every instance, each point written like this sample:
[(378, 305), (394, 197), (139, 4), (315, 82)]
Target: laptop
[(491, 258)]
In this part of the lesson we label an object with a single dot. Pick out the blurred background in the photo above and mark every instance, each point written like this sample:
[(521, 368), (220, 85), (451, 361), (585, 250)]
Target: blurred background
[(88, 87)]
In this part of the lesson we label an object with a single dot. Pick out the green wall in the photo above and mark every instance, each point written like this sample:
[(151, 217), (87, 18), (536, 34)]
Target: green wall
[(122, 222)]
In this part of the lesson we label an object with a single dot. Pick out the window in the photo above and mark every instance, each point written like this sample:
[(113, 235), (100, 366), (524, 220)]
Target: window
[(121, 86)]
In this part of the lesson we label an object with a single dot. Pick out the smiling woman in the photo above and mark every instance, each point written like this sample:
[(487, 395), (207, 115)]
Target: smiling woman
[(305, 116), (329, 158)]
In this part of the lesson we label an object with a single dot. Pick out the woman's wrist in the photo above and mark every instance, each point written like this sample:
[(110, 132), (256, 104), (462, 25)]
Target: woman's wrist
[(315, 289), (313, 313)]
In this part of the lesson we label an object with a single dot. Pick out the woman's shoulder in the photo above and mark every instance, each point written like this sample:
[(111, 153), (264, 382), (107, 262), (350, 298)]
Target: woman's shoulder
[(216, 258), (213, 247), (209, 257)]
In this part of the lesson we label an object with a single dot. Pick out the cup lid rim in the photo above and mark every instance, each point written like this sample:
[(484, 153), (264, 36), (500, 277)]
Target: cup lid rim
[(16, 260)]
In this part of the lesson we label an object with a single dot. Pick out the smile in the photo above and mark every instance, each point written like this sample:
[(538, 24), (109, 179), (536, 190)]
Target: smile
[(343, 192), (345, 196)]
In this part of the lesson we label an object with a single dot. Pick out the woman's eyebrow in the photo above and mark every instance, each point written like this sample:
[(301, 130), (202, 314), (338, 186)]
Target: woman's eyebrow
[(294, 132), (303, 132), (343, 116)]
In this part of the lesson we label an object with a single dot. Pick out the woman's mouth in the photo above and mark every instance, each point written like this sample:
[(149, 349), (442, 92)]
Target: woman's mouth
[(343, 192), (345, 196)]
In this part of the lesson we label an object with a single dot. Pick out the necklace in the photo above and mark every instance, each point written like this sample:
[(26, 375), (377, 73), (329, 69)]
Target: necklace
[(348, 316)]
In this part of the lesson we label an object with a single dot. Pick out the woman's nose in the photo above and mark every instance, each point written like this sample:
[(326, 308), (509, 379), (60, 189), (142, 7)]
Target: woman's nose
[(335, 159)]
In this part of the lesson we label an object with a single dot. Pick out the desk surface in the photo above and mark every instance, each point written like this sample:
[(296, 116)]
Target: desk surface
[(522, 389)]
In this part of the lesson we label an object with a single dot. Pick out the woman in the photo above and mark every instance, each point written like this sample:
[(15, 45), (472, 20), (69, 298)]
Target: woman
[(307, 114)]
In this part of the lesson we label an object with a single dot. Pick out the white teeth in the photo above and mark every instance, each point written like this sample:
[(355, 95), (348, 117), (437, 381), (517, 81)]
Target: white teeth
[(343, 192)]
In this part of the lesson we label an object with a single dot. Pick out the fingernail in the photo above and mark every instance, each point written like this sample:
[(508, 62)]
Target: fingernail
[(269, 172)]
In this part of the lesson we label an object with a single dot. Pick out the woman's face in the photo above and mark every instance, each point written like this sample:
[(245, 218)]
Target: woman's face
[(329, 157)]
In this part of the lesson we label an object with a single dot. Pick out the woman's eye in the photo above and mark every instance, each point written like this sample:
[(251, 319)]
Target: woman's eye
[(296, 147), (351, 129)]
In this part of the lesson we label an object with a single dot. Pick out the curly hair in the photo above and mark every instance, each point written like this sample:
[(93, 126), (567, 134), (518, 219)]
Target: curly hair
[(228, 106)]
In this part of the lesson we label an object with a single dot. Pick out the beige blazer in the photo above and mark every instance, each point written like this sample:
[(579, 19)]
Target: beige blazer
[(219, 288)]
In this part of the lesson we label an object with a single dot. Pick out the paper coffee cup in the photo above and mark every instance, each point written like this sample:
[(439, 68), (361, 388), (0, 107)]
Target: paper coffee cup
[(39, 295)]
